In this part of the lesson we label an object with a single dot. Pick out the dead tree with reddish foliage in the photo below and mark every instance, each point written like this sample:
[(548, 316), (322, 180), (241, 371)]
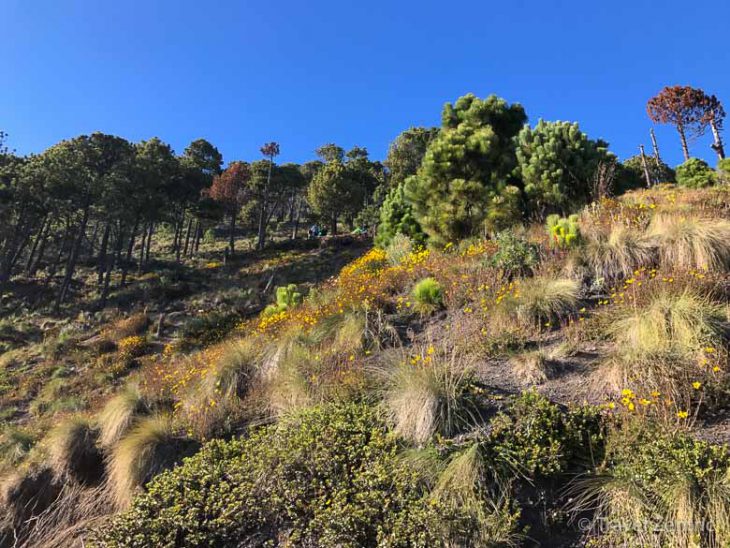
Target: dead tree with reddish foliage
[(229, 189), (690, 110)]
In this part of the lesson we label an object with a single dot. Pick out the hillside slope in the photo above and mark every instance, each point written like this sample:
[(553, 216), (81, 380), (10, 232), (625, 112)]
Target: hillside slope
[(553, 386)]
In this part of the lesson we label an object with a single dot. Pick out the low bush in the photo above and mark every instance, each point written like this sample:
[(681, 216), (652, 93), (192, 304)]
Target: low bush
[(657, 488), (330, 476), (515, 256), (132, 347), (207, 329), (723, 168), (695, 173), (534, 438)]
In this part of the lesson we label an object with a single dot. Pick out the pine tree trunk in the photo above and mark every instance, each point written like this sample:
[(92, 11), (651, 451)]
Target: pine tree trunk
[(36, 242), (73, 258), (198, 237), (149, 242), (142, 247), (130, 249), (33, 264), (295, 228), (262, 209), (101, 261), (717, 146), (232, 233), (187, 239), (683, 139), (110, 266)]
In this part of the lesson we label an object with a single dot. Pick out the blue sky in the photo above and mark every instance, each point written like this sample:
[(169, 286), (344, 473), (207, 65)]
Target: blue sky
[(241, 73)]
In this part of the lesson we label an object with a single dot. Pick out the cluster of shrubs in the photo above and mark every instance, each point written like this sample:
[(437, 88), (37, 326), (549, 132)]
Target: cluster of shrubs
[(336, 475)]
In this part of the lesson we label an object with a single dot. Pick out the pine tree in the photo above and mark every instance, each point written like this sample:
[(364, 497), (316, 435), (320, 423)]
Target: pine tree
[(465, 167), (556, 163), (396, 217)]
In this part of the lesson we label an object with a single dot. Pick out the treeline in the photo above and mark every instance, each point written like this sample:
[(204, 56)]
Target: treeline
[(99, 199)]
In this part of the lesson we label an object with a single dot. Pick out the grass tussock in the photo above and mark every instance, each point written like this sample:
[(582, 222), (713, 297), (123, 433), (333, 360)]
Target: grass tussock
[(539, 302), (689, 242), (306, 377), (682, 322), (134, 325), (218, 400), (538, 366), (231, 375), (618, 253), (145, 451), (463, 485), (73, 452), (351, 331), (15, 445), (658, 489), (662, 343), (429, 392), (119, 415)]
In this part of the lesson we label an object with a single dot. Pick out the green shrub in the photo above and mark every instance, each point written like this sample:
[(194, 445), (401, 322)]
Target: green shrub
[(723, 168), (662, 488), (330, 476), (286, 298), (515, 255), (208, 329), (535, 438), (564, 231), (695, 173), (428, 295)]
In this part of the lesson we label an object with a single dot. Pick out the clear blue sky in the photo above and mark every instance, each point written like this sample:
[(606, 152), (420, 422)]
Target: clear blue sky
[(240, 73)]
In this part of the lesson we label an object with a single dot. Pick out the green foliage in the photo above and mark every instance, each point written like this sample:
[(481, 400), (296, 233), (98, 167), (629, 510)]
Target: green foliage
[(663, 488), (465, 167), (329, 476), (630, 174), (406, 152), (399, 249), (535, 438), (695, 173), (515, 255), (556, 162), (505, 209), (15, 444), (208, 329), (723, 166), (334, 191), (564, 232), (428, 295), (286, 298), (396, 217)]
